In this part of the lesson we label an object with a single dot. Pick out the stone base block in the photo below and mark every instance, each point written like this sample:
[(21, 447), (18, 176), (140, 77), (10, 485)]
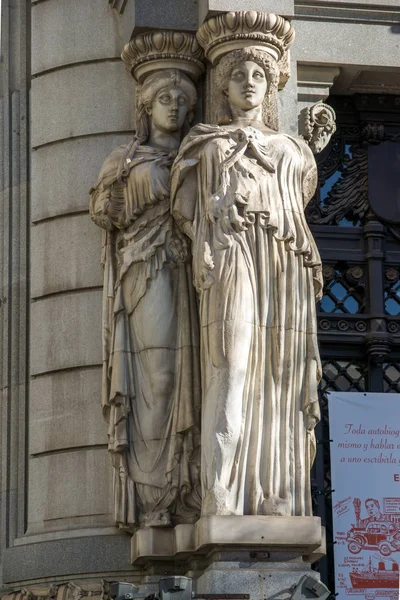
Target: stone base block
[(93, 555), (259, 580), (302, 533), (298, 536)]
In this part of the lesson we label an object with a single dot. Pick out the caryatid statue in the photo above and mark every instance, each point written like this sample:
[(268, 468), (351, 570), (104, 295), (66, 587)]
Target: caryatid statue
[(151, 381), (239, 189)]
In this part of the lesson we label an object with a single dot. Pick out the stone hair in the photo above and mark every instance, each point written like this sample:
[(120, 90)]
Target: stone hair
[(222, 75)]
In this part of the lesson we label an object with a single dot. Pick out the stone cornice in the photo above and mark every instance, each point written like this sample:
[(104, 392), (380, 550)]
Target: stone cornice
[(354, 11)]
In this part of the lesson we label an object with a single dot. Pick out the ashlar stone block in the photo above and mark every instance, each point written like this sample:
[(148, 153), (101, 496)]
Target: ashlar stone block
[(81, 100), (156, 15), (69, 490), (69, 32), (345, 46), (65, 557), (68, 191), (65, 255), (66, 331), (65, 411)]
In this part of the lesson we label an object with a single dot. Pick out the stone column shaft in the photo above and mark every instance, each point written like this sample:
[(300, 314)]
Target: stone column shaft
[(14, 235)]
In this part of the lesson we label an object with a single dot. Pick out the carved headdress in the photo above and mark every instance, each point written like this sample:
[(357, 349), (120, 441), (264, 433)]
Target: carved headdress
[(232, 37), (158, 50), (263, 32)]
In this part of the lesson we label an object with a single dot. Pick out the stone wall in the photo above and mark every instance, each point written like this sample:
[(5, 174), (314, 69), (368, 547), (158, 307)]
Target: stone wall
[(77, 117), (82, 106), (14, 242)]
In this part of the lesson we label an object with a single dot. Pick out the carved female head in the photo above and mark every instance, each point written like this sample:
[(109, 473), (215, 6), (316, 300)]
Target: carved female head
[(247, 78), (167, 98), (247, 85)]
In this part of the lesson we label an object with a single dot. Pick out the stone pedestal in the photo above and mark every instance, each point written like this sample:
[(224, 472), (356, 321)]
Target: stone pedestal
[(260, 556)]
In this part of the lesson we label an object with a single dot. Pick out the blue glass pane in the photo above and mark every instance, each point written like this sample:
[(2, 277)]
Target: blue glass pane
[(351, 305), (339, 291), (392, 307), (327, 305)]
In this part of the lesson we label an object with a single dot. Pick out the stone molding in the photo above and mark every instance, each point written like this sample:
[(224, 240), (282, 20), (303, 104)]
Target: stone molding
[(350, 11), (313, 86), (314, 82)]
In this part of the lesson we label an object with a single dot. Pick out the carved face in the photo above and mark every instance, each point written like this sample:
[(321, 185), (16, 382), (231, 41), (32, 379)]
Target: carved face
[(247, 85), (169, 109)]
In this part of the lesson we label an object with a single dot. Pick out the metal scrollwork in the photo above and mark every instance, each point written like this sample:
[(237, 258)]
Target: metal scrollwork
[(349, 195)]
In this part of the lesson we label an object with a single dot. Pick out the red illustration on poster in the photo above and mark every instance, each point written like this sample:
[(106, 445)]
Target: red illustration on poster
[(365, 466)]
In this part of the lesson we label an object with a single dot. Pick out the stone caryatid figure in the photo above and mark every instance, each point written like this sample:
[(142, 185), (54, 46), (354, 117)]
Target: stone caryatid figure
[(151, 383), (239, 189)]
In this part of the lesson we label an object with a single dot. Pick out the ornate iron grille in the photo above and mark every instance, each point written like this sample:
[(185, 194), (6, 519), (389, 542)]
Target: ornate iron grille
[(359, 241), (343, 376), (391, 377), (344, 289), (392, 291)]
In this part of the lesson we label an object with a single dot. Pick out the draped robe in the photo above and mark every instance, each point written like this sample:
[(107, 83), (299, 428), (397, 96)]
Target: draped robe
[(151, 387), (240, 195)]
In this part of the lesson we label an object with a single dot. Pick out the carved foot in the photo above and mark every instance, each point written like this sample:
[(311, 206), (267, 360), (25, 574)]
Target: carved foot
[(158, 518), (275, 506)]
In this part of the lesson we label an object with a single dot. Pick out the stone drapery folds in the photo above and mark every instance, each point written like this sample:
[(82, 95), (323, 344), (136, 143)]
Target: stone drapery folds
[(211, 361), (151, 387)]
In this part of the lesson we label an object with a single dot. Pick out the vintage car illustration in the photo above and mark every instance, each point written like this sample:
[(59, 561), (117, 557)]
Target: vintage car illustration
[(377, 532), (377, 535)]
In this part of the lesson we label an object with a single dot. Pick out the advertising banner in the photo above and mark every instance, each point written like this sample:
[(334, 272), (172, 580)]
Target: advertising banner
[(365, 467)]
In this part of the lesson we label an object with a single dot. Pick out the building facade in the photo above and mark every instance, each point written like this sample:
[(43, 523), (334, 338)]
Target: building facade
[(66, 102)]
